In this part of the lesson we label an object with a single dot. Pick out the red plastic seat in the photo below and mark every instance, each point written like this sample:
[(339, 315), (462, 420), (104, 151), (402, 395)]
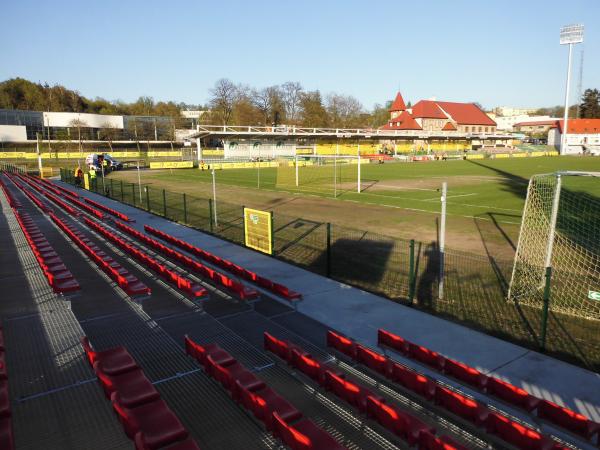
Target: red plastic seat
[(567, 419), (133, 387), (157, 423), (188, 444), (7, 439), (511, 394), (428, 441), (4, 399), (277, 346), (465, 373), (398, 422), (352, 393), (461, 406), (263, 402), (113, 361), (227, 374), (391, 340), (304, 435), (371, 359), (413, 381), (518, 435), (426, 356), (342, 344), (307, 365)]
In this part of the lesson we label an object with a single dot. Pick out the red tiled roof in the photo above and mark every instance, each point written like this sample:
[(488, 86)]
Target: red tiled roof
[(466, 113), (427, 109), (398, 104), (581, 126), (403, 122), (449, 127), (535, 122)]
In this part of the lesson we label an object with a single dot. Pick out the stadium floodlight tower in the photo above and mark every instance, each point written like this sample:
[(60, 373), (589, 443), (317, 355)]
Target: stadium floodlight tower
[(569, 35)]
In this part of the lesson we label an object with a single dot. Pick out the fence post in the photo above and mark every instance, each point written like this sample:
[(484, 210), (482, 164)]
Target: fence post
[(545, 309), (184, 209), (112, 189), (164, 203), (210, 214), (122, 193), (133, 193), (148, 198), (328, 268), (411, 272)]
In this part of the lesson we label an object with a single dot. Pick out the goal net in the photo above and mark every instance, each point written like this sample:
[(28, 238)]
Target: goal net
[(560, 229), (322, 174)]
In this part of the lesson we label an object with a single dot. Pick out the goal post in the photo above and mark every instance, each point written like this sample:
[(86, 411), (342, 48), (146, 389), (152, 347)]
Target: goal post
[(322, 174), (559, 231)]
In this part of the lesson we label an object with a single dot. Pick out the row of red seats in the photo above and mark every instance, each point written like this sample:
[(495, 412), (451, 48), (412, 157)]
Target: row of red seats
[(57, 274), (399, 422), (7, 440), (12, 201), (278, 415), (60, 188), (467, 408), (112, 212), (69, 209), (545, 409), (41, 205), (231, 285), (130, 284), (56, 198), (40, 182), (263, 282), (183, 284), (145, 417)]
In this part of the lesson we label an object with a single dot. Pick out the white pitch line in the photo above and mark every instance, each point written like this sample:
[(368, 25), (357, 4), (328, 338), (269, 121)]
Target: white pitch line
[(450, 196)]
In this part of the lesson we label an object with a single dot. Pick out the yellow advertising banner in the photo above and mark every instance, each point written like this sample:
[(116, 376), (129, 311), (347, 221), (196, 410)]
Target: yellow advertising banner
[(258, 230), (171, 164)]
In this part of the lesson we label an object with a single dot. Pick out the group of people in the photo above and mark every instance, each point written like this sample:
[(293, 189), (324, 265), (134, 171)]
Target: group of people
[(79, 175)]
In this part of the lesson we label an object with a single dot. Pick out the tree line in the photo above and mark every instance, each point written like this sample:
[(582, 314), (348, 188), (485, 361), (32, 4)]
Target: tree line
[(233, 103)]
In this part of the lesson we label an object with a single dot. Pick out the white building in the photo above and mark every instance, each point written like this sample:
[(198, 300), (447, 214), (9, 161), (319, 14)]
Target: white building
[(583, 136)]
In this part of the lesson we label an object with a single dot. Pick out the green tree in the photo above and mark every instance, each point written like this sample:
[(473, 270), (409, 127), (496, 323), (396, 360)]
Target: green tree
[(312, 111), (590, 104)]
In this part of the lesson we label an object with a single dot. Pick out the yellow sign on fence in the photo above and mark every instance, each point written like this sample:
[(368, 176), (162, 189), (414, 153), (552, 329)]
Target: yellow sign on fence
[(171, 164), (258, 230)]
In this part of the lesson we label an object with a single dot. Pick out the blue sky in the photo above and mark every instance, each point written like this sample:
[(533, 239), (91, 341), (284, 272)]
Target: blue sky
[(494, 52)]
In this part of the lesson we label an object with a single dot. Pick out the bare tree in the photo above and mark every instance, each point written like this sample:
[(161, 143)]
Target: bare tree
[(291, 95), (269, 102), (223, 98), (79, 124), (344, 110), (108, 131)]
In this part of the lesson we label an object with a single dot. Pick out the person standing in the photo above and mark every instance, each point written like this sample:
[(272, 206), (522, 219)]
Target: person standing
[(78, 176), (93, 177)]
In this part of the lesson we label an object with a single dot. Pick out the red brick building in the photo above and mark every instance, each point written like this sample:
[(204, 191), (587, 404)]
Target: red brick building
[(433, 115)]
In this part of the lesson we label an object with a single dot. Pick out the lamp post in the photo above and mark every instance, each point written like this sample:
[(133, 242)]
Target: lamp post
[(569, 35)]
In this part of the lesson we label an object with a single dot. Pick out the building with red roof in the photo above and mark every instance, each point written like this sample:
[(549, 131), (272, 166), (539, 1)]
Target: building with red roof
[(433, 115), (583, 136)]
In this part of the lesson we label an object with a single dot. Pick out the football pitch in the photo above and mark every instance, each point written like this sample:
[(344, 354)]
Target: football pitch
[(484, 203)]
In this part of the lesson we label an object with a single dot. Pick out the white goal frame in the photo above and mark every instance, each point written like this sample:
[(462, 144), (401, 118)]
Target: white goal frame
[(548, 237), (335, 159)]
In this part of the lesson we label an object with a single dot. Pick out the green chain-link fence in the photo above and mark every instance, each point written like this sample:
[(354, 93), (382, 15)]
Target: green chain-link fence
[(475, 286)]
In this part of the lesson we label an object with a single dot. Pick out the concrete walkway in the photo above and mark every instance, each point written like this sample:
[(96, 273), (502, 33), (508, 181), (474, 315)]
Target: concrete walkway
[(359, 314)]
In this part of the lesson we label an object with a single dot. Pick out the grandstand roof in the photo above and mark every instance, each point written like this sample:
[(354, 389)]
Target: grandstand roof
[(398, 104), (403, 122), (466, 113), (449, 127), (580, 126)]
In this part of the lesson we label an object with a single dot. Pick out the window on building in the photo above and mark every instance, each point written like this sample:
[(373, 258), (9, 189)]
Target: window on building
[(480, 129), (466, 129)]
